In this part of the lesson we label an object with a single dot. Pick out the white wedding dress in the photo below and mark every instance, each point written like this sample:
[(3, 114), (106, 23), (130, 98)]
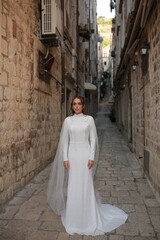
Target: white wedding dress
[(82, 213)]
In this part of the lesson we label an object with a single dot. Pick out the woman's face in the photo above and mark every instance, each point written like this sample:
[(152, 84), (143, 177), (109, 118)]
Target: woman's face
[(77, 106)]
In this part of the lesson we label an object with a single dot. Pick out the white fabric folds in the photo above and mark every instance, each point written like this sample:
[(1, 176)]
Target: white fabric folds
[(71, 192)]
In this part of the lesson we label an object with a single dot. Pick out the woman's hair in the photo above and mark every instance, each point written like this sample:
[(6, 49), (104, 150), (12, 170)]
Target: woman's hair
[(82, 101)]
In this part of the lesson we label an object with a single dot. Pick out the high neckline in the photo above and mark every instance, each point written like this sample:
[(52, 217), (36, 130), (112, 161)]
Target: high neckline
[(78, 115)]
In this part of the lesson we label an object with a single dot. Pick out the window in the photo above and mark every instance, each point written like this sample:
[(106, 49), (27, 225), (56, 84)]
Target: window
[(43, 71), (45, 64), (41, 81)]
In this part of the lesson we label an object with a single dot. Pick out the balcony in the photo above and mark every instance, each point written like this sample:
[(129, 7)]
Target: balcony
[(84, 32)]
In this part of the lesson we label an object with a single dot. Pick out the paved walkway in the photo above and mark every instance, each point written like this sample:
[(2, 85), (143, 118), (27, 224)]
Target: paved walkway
[(120, 181)]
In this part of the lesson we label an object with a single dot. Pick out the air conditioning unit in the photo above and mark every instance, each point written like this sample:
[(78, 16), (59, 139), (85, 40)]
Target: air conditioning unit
[(49, 23), (48, 17)]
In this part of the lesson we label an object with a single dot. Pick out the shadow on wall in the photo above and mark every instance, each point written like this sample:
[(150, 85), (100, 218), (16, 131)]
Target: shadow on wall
[(112, 114)]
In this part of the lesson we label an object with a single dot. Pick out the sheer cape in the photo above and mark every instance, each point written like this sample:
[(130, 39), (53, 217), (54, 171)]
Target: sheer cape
[(58, 181)]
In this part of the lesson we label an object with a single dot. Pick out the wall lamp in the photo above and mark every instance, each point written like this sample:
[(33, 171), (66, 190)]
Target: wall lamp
[(144, 48), (134, 66)]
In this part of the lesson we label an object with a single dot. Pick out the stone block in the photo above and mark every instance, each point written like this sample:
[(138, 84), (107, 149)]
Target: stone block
[(7, 93), (9, 177), (4, 21), (16, 234), (3, 32), (27, 193), (20, 134), (119, 193), (17, 201), (18, 95), (116, 237), (1, 184), (87, 238), (55, 225), (25, 170), (3, 223), (1, 93), (139, 238), (49, 216), (4, 79), (19, 172), (29, 211), (140, 208), (4, 47), (9, 212), (14, 29), (13, 71), (1, 116), (128, 229), (76, 237), (43, 235), (128, 208), (23, 224), (63, 236), (156, 222), (22, 182), (151, 202), (6, 108), (146, 230), (154, 211), (100, 237), (5, 8)]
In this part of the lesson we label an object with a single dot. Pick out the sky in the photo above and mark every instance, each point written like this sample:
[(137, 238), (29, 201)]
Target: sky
[(103, 9)]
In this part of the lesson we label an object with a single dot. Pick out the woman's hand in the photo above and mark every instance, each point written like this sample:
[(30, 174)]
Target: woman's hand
[(90, 164), (66, 164)]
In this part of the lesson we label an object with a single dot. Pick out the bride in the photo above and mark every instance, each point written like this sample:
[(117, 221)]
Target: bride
[(70, 191)]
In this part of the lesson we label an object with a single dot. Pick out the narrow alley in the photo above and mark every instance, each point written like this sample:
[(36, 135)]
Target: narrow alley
[(120, 182)]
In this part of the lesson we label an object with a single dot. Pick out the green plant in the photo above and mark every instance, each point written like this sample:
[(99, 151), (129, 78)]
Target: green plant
[(86, 53), (83, 26), (106, 43), (103, 20)]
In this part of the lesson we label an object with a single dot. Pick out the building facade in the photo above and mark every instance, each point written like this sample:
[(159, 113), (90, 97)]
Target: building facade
[(136, 82), (104, 59), (38, 78), (87, 54)]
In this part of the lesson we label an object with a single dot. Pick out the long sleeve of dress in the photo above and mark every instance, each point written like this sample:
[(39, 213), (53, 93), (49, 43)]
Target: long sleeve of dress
[(92, 139), (65, 140)]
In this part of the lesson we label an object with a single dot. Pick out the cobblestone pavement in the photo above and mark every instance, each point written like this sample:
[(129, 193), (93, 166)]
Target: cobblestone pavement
[(120, 181)]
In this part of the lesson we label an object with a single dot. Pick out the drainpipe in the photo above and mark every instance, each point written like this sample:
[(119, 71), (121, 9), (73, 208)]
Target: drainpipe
[(77, 39), (62, 64), (89, 43)]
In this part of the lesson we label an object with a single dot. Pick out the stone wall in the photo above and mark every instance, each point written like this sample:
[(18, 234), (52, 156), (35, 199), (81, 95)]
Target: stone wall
[(30, 109), (145, 85), (152, 102), (138, 115), (147, 106)]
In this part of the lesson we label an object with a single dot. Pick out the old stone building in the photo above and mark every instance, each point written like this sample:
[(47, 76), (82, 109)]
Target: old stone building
[(87, 54), (30, 95), (38, 78), (137, 82), (104, 59)]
